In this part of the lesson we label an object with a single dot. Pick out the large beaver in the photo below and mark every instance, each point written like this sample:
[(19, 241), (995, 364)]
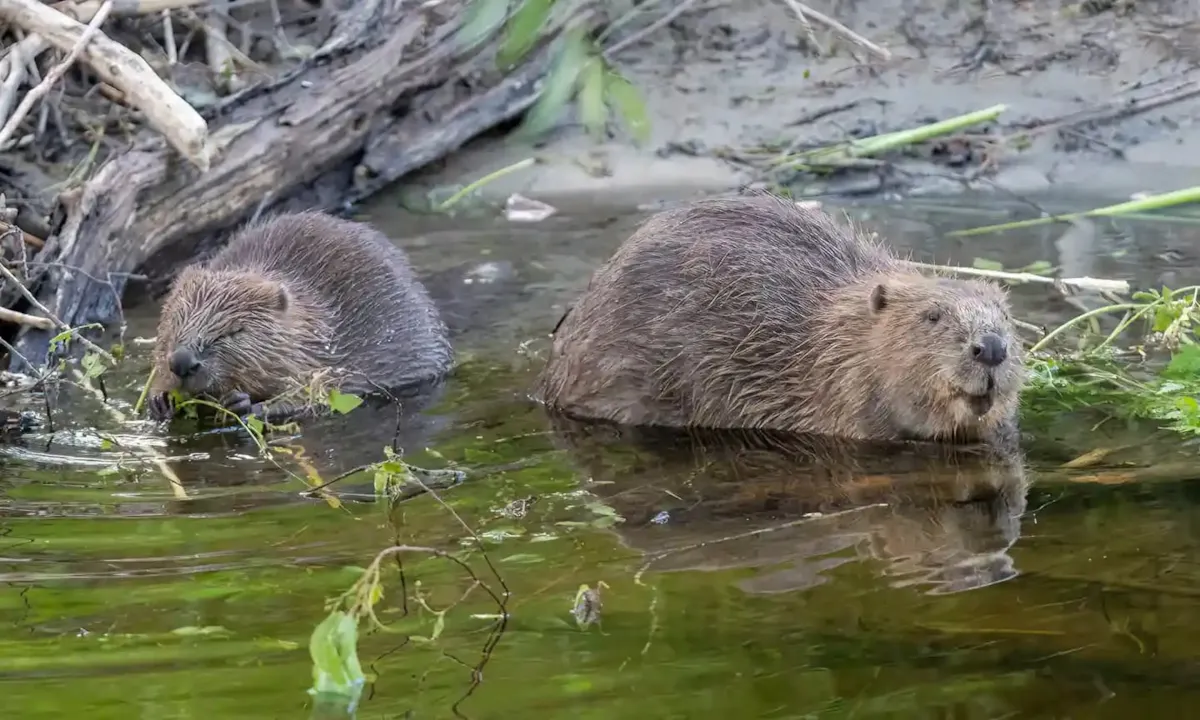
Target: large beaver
[(754, 312), (291, 296)]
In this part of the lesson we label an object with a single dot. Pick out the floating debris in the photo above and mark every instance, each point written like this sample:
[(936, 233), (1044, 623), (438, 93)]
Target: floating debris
[(519, 208)]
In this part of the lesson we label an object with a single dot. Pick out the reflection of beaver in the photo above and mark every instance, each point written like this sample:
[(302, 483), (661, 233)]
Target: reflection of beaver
[(756, 313), (935, 515), (289, 297)]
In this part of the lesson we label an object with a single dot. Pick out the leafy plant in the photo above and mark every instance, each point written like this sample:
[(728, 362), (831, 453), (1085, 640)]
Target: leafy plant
[(578, 67), (1135, 381)]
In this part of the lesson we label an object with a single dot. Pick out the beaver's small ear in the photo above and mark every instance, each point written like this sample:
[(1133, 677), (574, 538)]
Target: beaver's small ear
[(878, 300)]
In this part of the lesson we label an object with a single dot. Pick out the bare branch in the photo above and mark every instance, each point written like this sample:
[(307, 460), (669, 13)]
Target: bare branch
[(31, 97)]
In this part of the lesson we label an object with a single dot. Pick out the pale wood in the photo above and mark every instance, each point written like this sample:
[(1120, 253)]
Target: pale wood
[(125, 70), (11, 123)]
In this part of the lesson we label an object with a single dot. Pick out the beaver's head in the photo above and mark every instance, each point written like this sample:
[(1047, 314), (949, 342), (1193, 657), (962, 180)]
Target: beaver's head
[(223, 330), (951, 361)]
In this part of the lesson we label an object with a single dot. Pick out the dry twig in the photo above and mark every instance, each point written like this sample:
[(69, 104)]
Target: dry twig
[(8, 274), (21, 318), (217, 48), (43, 87), (17, 70), (1120, 287), (804, 12), (125, 70), (804, 23), (649, 29)]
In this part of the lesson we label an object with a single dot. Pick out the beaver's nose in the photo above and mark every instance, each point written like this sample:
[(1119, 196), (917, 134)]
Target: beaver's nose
[(183, 362), (990, 350)]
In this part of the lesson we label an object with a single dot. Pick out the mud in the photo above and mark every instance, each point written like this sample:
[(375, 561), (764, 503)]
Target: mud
[(1110, 87)]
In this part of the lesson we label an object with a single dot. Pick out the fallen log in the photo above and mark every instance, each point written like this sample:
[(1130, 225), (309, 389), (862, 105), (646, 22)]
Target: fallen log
[(389, 92)]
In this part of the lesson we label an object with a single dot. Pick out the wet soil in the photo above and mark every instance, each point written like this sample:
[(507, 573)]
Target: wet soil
[(1106, 93)]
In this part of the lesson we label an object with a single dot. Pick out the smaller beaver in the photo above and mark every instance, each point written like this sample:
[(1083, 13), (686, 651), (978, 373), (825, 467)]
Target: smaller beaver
[(756, 313), (289, 297)]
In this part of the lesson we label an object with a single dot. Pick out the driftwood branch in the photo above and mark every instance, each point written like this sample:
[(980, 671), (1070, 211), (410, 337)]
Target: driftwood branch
[(355, 117), (21, 318), (1120, 287), (121, 68), (14, 121)]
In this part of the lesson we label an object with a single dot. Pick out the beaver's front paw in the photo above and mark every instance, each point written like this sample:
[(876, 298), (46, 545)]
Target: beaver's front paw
[(161, 407), (239, 404)]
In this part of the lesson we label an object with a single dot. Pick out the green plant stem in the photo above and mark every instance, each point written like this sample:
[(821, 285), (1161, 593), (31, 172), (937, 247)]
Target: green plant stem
[(877, 144), (1154, 202), (137, 407), (453, 199), (1080, 318)]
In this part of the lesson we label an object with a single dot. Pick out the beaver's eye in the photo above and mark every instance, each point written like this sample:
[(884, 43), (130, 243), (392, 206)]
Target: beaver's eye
[(933, 315)]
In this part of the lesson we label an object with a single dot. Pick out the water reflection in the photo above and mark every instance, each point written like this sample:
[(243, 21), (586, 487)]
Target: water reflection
[(933, 516)]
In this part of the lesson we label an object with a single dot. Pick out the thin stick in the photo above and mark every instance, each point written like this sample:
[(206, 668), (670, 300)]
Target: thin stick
[(16, 76), (840, 29), (217, 48), (10, 127), (159, 462), (57, 322), (1080, 283), (1153, 202), (1080, 318), (163, 109), (804, 23), (675, 12), (519, 165), (169, 38), (21, 318)]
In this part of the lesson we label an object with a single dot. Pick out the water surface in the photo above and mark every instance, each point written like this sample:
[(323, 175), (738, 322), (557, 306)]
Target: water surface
[(734, 584)]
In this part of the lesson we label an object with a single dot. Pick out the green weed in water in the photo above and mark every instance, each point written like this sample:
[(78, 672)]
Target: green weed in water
[(1157, 379)]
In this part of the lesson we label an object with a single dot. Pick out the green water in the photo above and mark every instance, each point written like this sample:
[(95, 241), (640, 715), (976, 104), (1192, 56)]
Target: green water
[(123, 597)]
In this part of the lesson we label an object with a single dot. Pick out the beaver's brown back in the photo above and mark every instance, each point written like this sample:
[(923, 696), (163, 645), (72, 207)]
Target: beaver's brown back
[(385, 329), (700, 303)]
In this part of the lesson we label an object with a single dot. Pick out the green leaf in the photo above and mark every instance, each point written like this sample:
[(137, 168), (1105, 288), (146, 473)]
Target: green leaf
[(483, 18), (560, 83), (333, 648), (523, 30), (1184, 365), (592, 110), (1164, 316), (630, 106), (985, 264), (1041, 267), (93, 366), (341, 402), (382, 478), (255, 425)]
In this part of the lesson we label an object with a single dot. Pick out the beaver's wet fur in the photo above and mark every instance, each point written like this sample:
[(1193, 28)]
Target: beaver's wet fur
[(753, 312), (288, 297)]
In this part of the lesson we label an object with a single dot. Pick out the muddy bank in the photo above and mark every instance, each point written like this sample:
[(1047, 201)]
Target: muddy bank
[(1102, 98)]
